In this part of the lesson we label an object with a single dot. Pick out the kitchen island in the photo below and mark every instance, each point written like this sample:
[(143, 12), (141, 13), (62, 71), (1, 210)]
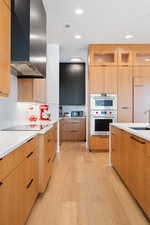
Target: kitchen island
[(130, 157)]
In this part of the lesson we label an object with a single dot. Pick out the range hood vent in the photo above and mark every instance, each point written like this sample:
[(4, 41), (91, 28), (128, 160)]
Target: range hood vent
[(29, 43)]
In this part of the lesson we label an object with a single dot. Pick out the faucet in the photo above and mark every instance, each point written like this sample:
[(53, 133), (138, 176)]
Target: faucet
[(148, 111)]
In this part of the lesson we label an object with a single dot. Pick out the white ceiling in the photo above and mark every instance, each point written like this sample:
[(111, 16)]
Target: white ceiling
[(106, 21)]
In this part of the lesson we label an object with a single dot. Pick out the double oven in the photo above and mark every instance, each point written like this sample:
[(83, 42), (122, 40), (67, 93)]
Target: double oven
[(103, 112)]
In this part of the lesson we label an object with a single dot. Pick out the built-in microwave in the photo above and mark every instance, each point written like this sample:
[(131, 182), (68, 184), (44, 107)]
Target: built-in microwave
[(103, 101)]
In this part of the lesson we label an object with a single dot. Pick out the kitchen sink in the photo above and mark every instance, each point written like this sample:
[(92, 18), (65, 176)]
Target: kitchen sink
[(140, 128)]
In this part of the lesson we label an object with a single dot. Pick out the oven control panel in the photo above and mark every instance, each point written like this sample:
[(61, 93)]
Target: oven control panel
[(103, 113)]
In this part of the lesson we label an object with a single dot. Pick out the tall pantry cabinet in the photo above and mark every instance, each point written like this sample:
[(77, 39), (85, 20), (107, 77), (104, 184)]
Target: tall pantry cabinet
[(112, 69), (5, 34)]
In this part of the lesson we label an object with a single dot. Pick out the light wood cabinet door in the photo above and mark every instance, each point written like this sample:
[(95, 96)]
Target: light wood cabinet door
[(8, 3), (115, 148), (32, 90), (141, 71), (96, 80), (136, 179), (142, 57), (25, 90), (5, 35), (98, 143), (103, 79), (110, 79), (39, 90), (125, 94)]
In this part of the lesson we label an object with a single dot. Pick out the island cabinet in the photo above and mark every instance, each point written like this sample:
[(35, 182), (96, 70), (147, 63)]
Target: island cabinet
[(5, 34), (130, 156), (18, 184), (47, 152)]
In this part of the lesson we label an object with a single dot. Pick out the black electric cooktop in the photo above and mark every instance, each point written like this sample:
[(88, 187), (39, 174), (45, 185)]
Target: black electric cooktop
[(30, 127)]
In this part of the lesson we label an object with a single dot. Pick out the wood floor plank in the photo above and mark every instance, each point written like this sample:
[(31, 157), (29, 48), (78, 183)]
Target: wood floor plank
[(84, 190)]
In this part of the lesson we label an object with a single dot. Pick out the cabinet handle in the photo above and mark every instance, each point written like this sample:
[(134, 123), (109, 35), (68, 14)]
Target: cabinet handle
[(29, 184), (1, 159), (125, 107), (49, 160), (48, 140), (112, 149), (30, 140), (113, 134), (1, 183), (137, 140), (28, 156)]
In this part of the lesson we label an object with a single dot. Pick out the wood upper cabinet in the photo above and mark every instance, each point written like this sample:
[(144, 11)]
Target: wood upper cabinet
[(32, 90), (125, 57), (103, 79), (110, 79), (102, 55), (142, 57), (5, 35), (39, 90), (141, 71), (125, 94)]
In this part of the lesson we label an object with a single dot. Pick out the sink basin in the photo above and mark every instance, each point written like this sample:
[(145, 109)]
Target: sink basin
[(140, 128)]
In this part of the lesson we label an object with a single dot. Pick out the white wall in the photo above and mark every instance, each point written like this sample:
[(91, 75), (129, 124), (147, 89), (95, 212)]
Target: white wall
[(8, 106), (53, 79)]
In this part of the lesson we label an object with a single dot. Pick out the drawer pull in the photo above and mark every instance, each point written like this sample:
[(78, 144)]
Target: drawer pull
[(49, 140), (49, 160), (113, 134), (1, 183), (29, 184), (1, 159), (125, 107), (30, 140), (137, 140), (28, 156)]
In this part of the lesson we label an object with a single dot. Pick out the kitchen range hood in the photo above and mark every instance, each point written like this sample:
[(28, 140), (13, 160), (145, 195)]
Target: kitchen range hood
[(28, 53)]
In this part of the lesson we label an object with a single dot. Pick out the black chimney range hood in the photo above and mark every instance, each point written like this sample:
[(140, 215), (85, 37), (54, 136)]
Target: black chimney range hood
[(28, 38)]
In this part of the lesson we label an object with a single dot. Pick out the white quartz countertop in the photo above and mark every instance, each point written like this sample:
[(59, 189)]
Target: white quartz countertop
[(145, 134), (10, 140)]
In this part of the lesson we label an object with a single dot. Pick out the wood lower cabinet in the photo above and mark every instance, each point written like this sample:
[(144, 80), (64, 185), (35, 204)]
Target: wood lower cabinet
[(72, 129), (32, 90), (98, 143), (125, 94), (47, 152), (19, 189), (133, 164), (5, 34)]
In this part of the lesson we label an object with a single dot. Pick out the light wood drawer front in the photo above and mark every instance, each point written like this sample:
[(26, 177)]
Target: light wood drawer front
[(12, 160), (70, 135), (99, 143)]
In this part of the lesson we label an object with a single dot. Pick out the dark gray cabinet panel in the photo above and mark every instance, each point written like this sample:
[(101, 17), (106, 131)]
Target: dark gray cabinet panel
[(72, 83)]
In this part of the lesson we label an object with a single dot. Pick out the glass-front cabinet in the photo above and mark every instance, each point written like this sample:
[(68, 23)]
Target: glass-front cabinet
[(125, 57), (142, 57), (104, 58)]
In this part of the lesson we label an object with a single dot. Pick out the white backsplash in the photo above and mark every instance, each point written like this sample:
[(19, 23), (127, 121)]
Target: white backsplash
[(69, 108)]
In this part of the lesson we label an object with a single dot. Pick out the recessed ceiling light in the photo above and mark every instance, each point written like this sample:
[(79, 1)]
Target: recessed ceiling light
[(79, 11), (129, 36), (75, 59), (77, 36)]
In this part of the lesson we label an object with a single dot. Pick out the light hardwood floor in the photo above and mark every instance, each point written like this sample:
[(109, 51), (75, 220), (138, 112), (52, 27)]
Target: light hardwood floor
[(84, 190)]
